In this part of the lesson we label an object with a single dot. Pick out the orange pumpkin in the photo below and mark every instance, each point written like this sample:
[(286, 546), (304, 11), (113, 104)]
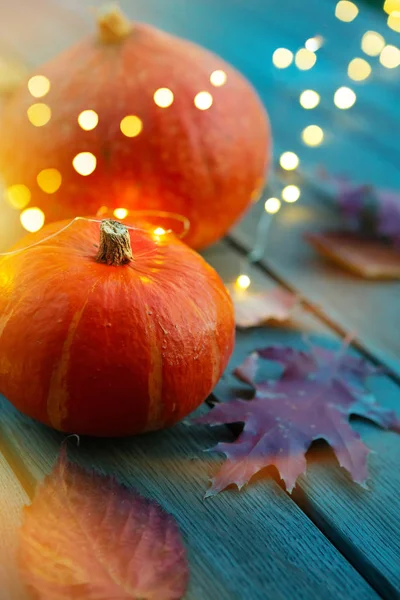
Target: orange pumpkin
[(109, 331), (171, 127)]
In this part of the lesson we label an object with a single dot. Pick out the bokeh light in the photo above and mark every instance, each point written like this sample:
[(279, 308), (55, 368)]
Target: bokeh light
[(203, 100), (272, 205), (39, 114), (372, 43), (346, 11), (291, 193), (159, 231), (282, 58), (131, 126), (344, 98), (84, 163), (390, 57), (309, 99), (312, 135), (359, 69), (88, 119), (393, 21), (391, 6), (218, 78), (121, 213), (305, 59), (289, 161), (38, 86), (32, 219), (49, 180), (313, 44), (18, 196), (163, 97), (243, 282)]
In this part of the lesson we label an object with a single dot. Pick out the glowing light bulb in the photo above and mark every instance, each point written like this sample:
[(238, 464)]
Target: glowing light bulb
[(391, 6), (309, 99), (359, 69), (313, 44), (390, 57), (346, 11), (305, 59), (131, 126), (159, 231), (312, 135), (32, 219), (88, 119), (203, 100), (372, 43), (39, 114), (272, 205), (282, 58), (243, 282), (344, 98), (18, 196), (84, 163), (289, 161), (291, 193), (38, 86), (163, 97), (393, 21), (218, 78), (49, 180), (120, 213)]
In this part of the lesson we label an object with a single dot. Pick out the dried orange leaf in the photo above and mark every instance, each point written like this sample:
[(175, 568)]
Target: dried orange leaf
[(87, 537), (256, 308)]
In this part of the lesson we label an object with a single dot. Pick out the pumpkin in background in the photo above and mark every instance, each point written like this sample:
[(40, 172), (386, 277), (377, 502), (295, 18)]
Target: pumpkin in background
[(109, 331), (135, 118)]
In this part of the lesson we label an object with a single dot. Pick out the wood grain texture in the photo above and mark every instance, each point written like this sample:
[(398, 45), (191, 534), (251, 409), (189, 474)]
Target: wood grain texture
[(12, 500)]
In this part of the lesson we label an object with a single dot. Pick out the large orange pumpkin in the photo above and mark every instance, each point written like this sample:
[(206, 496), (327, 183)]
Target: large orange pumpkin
[(110, 332), (171, 127)]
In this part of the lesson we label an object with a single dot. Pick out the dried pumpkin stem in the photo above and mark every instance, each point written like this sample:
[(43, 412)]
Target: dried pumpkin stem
[(115, 244), (113, 25)]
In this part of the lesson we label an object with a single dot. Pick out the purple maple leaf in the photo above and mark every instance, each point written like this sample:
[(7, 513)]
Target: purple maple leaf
[(313, 399)]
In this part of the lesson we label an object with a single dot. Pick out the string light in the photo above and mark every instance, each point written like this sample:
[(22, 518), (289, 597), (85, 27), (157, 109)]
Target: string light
[(131, 126), (84, 163), (243, 282), (49, 180), (203, 100), (159, 231), (344, 98), (372, 43), (163, 97), (305, 59), (272, 205), (32, 219), (346, 11), (390, 57), (120, 213), (218, 78), (88, 119), (282, 58), (313, 44), (289, 161), (38, 86), (291, 193), (393, 21), (312, 135), (309, 99), (39, 114), (359, 69), (18, 196), (391, 6)]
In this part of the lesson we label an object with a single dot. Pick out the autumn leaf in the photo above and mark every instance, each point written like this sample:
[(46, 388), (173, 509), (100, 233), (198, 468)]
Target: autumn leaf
[(256, 308), (87, 537), (312, 399), (369, 258)]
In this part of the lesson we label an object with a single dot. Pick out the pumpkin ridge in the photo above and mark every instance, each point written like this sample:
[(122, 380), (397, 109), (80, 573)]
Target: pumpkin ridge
[(155, 418)]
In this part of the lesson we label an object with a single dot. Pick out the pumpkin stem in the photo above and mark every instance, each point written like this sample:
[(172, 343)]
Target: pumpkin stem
[(113, 25), (115, 244)]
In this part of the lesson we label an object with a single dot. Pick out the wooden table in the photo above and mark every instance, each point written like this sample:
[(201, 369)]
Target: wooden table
[(331, 538)]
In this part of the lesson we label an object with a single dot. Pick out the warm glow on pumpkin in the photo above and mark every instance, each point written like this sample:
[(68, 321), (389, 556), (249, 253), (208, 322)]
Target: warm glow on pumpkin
[(291, 193), (163, 97), (84, 163), (121, 213), (49, 180), (88, 120), (131, 126), (39, 114), (18, 196), (32, 219), (218, 78), (203, 100), (38, 86)]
